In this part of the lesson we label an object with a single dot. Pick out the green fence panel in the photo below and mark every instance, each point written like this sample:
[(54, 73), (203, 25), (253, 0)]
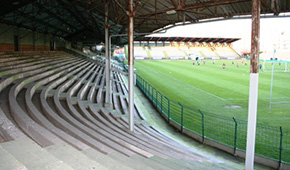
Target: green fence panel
[(236, 133), (158, 100), (154, 91), (147, 90), (285, 154), (151, 93), (268, 141), (161, 103), (168, 109), (166, 106), (281, 144), (242, 135), (219, 128), (202, 125), (192, 120), (156, 97), (181, 116), (175, 114), (143, 85)]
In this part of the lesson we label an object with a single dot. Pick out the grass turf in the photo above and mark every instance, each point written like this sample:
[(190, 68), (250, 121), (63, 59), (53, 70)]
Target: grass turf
[(210, 88)]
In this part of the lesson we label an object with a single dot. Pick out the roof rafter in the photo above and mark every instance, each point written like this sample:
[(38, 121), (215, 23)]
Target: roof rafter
[(42, 22), (197, 5), (55, 16)]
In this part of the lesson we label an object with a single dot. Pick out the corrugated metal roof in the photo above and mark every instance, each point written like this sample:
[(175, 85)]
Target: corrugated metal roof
[(83, 20)]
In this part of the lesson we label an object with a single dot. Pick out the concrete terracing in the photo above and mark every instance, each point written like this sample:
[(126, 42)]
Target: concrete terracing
[(52, 116)]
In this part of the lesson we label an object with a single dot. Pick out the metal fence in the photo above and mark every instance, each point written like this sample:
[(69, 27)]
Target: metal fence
[(271, 142)]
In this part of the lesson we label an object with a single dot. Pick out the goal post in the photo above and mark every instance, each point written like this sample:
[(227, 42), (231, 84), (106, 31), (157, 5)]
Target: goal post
[(272, 83), (280, 66)]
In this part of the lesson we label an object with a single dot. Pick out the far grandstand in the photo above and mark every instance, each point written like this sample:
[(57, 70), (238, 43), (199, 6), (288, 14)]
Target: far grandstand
[(175, 48)]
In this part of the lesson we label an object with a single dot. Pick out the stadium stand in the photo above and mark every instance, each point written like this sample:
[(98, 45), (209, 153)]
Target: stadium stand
[(226, 52), (156, 53), (173, 52), (140, 53), (53, 103), (185, 48), (168, 52)]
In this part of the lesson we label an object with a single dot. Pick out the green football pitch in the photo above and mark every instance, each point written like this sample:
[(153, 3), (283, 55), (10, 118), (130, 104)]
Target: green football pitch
[(211, 88)]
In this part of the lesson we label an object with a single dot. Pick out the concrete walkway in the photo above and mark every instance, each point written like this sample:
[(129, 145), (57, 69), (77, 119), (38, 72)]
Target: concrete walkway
[(153, 118)]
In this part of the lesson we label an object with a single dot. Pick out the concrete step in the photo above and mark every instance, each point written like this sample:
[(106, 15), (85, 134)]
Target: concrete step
[(9, 162), (105, 160), (167, 162), (134, 162), (211, 165), (32, 156), (73, 157), (182, 164), (152, 163)]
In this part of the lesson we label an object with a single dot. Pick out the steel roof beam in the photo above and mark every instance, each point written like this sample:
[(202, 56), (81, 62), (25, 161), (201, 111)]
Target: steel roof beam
[(208, 9), (224, 10), (198, 5), (172, 3), (90, 29), (91, 17), (123, 8), (42, 22), (7, 6), (54, 15), (233, 8)]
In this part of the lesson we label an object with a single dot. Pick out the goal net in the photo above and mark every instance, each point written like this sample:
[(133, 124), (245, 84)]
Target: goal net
[(280, 80), (279, 66)]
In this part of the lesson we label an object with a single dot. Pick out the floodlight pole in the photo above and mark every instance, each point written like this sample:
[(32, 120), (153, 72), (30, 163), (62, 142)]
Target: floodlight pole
[(254, 80), (108, 100), (131, 64)]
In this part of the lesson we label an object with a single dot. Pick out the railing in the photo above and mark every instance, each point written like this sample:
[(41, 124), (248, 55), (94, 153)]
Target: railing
[(271, 142), (122, 64)]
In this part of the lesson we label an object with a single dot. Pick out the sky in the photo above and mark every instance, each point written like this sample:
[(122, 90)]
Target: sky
[(271, 29)]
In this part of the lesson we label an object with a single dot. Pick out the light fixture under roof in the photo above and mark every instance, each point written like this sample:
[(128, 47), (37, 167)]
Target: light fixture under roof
[(171, 12), (15, 3)]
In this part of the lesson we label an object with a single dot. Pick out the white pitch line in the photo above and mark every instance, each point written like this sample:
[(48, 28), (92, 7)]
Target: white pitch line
[(189, 85)]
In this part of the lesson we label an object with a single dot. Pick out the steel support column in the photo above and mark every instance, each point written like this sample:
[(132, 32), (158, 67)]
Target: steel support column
[(131, 65), (254, 80), (18, 34), (108, 101)]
